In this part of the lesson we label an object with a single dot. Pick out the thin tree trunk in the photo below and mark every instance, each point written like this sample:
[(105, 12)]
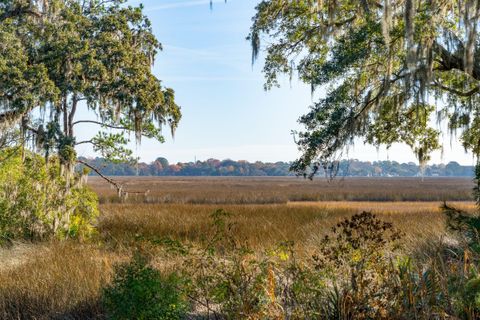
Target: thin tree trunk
[(71, 116), (476, 188), (65, 115)]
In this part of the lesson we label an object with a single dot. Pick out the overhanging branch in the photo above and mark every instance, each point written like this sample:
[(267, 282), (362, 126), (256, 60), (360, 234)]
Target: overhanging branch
[(457, 92), (117, 186), (101, 124), (85, 142), (121, 192), (450, 60), (19, 11)]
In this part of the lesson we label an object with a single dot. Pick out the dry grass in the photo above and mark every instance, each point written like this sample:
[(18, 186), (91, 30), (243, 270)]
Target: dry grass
[(259, 225), (264, 226), (247, 190), (387, 208), (64, 280), (55, 281)]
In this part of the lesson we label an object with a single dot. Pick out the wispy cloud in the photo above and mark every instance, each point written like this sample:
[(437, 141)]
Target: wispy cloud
[(202, 78), (231, 56), (182, 4), (203, 53)]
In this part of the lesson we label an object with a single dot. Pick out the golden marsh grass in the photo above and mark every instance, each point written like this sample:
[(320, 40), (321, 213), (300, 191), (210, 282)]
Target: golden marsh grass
[(268, 190), (263, 226), (64, 280)]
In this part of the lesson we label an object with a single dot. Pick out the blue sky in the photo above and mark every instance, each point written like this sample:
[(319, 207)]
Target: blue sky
[(226, 113)]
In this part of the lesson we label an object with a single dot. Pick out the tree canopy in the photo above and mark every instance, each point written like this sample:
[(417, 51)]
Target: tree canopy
[(60, 56), (388, 67), (65, 64)]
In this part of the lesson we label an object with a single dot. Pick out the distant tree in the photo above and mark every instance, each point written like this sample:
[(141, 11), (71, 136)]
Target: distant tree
[(163, 162), (382, 63), (173, 168), (156, 168), (70, 63), (452, 168), (213, 167)]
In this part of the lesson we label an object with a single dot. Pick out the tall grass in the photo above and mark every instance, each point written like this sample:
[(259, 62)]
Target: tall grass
[(64, 280), (55, 281), (263, 226), (222, 190)]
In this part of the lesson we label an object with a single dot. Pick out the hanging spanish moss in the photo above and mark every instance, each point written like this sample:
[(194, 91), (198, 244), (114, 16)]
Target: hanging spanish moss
[(116, 82), (387, 21), (388, 68), (471, 12)]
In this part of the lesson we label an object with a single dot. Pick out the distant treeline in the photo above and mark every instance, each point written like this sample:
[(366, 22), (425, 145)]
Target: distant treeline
[(214, 167)]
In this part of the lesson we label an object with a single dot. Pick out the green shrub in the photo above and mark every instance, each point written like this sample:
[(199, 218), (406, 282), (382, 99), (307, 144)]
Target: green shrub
[(141, 292), (36, 201)]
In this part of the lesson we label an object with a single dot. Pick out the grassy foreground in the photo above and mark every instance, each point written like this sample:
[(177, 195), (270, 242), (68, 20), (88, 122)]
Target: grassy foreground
[(66, 280)]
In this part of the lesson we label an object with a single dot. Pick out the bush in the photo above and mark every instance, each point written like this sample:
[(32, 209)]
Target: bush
[(356, 260), (351, 276), (37, 202), (141, 292)]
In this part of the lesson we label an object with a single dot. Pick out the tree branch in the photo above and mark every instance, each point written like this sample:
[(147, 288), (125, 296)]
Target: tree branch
[(121, 192), (457, 92), (119, 187), (31, 129), (100, 124), (71, 116), (84, 142), (19, 11), (450, 61)]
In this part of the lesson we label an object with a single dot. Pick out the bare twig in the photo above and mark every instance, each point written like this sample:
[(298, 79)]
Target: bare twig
[(118, 186)]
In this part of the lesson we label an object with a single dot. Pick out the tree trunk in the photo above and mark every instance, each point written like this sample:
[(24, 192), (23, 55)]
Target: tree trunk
[(476, 188)]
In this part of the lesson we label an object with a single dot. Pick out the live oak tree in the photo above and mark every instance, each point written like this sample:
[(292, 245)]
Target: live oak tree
[(71, 63), (389, 68), (66, 64)]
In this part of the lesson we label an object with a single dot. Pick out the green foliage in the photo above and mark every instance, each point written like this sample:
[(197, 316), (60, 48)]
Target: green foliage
[(22, 83), (111, 147), (381, 64), (36, 203), (443, 284), (476, 180), (141, 292), (85, 212), (464, 225), (59, 57), (470, 295), (410, 126)]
